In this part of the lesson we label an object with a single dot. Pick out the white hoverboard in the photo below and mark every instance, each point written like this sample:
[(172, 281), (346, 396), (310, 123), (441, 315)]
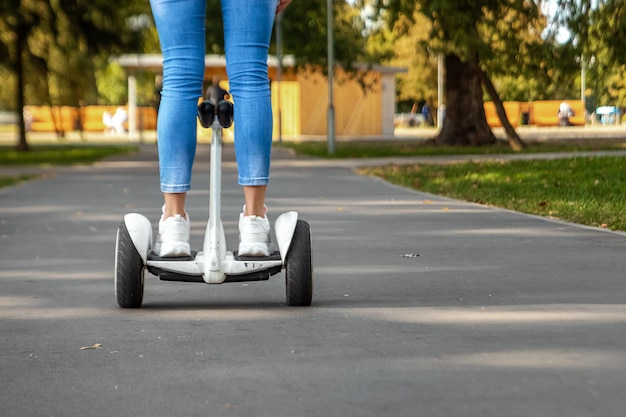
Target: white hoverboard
[(214, 264)]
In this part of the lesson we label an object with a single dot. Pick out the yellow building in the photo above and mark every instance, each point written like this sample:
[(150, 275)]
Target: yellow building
[(300, 98)]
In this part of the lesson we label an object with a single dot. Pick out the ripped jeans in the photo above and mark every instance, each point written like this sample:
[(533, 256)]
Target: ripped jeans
[(247, 32)]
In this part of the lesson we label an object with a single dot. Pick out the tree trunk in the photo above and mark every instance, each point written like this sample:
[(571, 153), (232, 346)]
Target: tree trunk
[(464, 122), (511, 135), (20, 42)]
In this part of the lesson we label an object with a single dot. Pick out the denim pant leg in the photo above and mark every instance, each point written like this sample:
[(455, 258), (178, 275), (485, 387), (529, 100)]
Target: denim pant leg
[(247, 32), (180, 25)]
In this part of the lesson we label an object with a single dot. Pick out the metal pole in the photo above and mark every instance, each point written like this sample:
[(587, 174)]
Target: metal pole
[(440, 65), (583, 79), (331, 65), (279, 71), (132, 108)]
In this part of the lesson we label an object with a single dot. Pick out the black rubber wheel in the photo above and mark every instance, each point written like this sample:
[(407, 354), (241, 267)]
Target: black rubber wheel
[(298, 267), (129, 271)]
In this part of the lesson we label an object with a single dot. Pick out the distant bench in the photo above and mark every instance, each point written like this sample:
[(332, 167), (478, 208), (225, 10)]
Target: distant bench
[(540, 112), (513, 110), (544, 112), (88, 118)]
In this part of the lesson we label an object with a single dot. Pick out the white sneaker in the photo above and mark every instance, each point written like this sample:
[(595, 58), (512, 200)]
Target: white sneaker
[(254, 236), (173, 237)]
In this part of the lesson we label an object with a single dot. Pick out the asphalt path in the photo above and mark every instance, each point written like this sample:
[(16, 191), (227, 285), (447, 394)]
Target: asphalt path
[(422, 305)]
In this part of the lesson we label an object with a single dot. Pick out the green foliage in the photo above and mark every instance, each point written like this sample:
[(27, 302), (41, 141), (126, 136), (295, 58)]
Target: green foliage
[(610, 26), (598, 36), (411, 52), (53, 44), (112, 85), (517, 45), (306, 32), (7, 92)]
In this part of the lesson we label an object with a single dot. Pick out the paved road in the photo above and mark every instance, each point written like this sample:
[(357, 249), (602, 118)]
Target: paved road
[(501, 314)]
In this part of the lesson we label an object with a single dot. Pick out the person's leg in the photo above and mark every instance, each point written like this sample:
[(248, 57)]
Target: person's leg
[(174, 204), (181, 28), (254, 198), (247, 33)]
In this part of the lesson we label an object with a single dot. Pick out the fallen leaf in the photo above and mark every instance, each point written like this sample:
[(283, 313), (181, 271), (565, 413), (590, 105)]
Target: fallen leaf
[(94, 346)]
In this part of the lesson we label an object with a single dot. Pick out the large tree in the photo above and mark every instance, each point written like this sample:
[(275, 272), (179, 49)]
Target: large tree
[(597, 38), (16, 24), (466, 32), (49, 46)]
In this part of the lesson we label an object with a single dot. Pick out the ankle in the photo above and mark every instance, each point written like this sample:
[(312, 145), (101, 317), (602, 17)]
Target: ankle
[(259, 211), (174, 203), (167, 216), (172, 211)]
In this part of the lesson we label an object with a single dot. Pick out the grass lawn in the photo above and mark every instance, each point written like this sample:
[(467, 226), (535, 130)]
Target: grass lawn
[(49, 155), (60, 154), (8, 181), (584, 190), (399, 148)]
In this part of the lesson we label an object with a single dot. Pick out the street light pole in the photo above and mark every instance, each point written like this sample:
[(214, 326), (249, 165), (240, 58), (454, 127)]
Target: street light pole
[(331, 64), (440, 81), (583, 79), (136, 23), (279, 72)]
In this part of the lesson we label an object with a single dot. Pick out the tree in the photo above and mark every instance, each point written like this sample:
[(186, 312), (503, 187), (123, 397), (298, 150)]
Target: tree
[(464, 31), (410, 50), (53, 44), (598, 40), (15, 25), (610, 27), (305, 24)]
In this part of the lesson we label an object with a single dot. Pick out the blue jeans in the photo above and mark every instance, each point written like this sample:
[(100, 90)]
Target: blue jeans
[(247, 33)]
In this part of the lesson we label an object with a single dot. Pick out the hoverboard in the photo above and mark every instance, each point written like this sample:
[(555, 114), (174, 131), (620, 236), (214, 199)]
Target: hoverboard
[(214, 264)]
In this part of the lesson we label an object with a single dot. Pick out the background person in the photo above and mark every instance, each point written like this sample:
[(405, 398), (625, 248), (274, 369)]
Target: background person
[(564, 113)]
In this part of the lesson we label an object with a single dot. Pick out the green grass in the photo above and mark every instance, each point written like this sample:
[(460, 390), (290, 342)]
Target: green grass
[(584, 190), (60, 154), (49, 155), (399, 148), (13, 180)]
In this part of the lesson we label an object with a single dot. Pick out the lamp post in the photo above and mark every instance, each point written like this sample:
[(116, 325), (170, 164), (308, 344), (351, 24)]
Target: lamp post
[(136, 24), (331, 64), (440, 65), (279, 72), (583, 80), (583, 77)]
